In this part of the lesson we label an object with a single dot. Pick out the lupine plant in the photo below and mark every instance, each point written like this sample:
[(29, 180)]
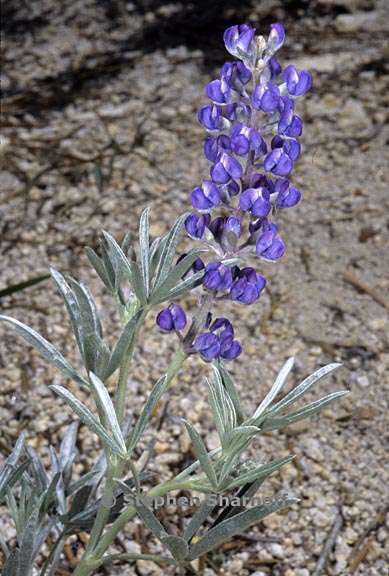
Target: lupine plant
[(252, 145)]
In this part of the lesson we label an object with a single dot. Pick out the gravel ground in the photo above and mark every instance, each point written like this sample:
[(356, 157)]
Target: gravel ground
[(99, 121)]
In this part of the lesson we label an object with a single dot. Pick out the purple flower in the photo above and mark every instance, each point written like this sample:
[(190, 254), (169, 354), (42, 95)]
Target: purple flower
[(276, 37), (295, 128), (256, 201), (289, 145), (210, 117), (205, 197), (208, 345), (171, 318), (298, 83), (287, 196), (218, 91), (269, 245), (278, 162), (247, 286), (266, 97), (195, 225), (217, 277), (286, 108), (226, 169), (244, 138), (274, 67), (229, 348), (239, 40)]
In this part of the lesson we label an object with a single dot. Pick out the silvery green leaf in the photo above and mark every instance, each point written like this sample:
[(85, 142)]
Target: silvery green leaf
[(235, 525), (155, 250), (258, 472), (67, 451), (177, 546), (49, 494), (112, 266), (184, 286), (88, 478), (144, 245), (88, 418), (87, 305), (222, 407), (106, 407), (47, 350), (38, 470), (98, 265), (122, 345), (27, 546), (149, 518), (231, 461), (137, 283), (72, 307), (279, 382), (299, 390), (196, 465), (126, 243), (199, 518), (9, 480), (273, 423), (10, 466), (131, 269), (152, 401), (11, 564), (229, 385), (168, 252), (13, 510), (201, 453), (59, 487), (176, 275)]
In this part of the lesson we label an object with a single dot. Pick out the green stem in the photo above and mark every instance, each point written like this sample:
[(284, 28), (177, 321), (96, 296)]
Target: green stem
[(99, 542), (121, 390), (134, 557)]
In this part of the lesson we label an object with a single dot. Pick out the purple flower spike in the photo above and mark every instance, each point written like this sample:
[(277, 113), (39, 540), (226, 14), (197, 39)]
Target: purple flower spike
[(171, 318), (208, 346), (247, 286), (276, 37), (278, 162), (298, 83), (210, 117), (266, 97), (206, 197), (239, 40), (217, 277), (256, 201), (195, 225)]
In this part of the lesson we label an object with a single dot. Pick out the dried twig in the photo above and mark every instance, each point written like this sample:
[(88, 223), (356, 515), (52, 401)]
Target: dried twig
[(361, 551), (351, 278), (328, 544)]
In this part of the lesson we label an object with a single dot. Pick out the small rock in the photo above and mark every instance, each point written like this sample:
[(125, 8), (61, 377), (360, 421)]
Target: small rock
[(277, 551), (353, 116)]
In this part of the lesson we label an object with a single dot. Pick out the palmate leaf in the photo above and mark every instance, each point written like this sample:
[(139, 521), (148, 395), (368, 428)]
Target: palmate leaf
[(88, 418), (46, 349), (98, 265), (299, 390), (276, 422), (235, 525), (199, 518)]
